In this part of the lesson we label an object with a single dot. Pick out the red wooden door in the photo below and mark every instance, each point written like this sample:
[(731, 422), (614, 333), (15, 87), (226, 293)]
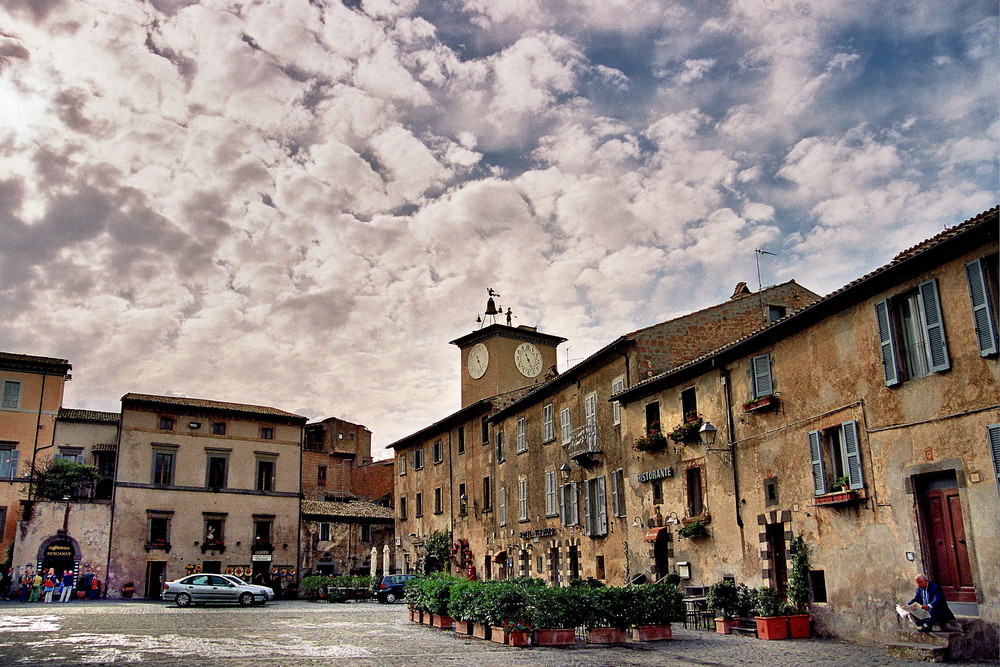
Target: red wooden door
[(948, 549)]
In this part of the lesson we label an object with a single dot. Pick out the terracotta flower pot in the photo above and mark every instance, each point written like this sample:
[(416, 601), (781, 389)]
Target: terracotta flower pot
[(555, 637), (498, 635), (724, 626), (799, 626), (414, 615), (652, 633), (519, 639), (772, 627), (605, 636), (443, 622), (481, 631), (463, 627)]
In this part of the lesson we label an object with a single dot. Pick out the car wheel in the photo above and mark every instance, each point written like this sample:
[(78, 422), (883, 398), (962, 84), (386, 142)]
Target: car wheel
[(246, 599), (183, 600), (390, 598)]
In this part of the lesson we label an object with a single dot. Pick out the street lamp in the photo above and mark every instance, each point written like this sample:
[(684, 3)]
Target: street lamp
[(707, 433), (564, 471)]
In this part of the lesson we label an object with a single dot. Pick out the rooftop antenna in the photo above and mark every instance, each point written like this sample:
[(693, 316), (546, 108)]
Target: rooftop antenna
[(760, 284)]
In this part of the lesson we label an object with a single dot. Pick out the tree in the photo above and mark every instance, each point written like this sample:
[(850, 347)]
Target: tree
[(438, 548), (63, 478)]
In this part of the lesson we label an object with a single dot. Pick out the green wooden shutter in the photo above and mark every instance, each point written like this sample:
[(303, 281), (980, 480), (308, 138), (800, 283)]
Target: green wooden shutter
[(993, 433), (937, 346), (852, 454), (982, 310), (602, 507), (761, 369), (887, 343), (816, 455), (588, 525), (615, 486)]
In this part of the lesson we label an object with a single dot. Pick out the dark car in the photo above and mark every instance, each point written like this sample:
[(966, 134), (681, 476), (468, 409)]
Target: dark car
[(390, 588)]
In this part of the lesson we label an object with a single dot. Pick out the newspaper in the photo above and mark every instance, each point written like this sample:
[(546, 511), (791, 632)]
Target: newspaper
[(913, 609)]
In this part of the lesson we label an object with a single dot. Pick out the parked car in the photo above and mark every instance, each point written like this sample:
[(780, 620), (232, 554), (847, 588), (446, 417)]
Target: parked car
[(390, 588), (220, 588)]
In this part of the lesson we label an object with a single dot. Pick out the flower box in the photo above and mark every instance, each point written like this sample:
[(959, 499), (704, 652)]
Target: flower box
[(480, 631), (555, 637), (463, 627), (497, 635), (605, 636), (443, 622), (652, 633), (519, 639), (651, 442), (799, 626), (772, 627), (414, 615), (762, 404), (724, 626), (838, 498)]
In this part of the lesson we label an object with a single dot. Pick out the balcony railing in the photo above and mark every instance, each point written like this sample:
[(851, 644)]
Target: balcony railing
[(583, 444)]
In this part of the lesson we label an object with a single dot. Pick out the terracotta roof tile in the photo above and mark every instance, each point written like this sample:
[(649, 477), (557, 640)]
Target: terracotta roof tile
[(68, 414), (206, 404), (352, 509)]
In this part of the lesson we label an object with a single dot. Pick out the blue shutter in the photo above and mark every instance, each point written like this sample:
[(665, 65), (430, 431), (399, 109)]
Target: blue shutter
[(982, 311), (615, 506), (887, 343), (816, 454), (587, 523), (761, 369), (937, 347), (852, 454), (602, 507), (564, 504), (993, 433)]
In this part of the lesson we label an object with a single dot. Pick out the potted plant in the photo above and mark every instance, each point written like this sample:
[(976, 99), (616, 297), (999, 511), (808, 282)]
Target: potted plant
[(842, 483), (128, 589), (655, 607), (413, 593), (461, 598), (687, 430), (554, 613), (652, 441), (517, 633), (610, 611), (798, 590), (723, 598), (770, 624), (693, 528), (746, 601)]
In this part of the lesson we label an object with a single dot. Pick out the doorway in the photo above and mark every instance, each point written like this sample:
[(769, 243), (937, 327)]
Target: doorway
[(59, 556), (156, 574), (574, 563), (775, 535), (661, 554), (943, 531), (211, 566)]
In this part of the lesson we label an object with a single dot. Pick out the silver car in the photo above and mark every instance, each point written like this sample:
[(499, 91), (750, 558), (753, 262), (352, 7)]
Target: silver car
[(219, 588)]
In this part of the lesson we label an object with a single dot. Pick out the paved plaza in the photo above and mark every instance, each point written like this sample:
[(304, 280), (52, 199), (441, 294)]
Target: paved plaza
[(305, 633)]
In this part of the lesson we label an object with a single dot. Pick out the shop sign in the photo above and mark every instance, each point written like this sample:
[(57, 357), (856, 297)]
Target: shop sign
[(541, 532), (659, 473), (59, 550), (257, 558)]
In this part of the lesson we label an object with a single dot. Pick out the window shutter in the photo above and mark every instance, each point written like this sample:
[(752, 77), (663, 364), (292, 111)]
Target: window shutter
[(937, 347), (503, 505), (852, 454), (602, 507), (887, 343), (588, 525), (993, 433), (761, 369), (615, 486), (816, 454), (563, 505), (574, 504), (982, 312)]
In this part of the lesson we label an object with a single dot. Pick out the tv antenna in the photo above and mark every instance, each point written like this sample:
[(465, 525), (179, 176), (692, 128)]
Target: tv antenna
[(760, 283)]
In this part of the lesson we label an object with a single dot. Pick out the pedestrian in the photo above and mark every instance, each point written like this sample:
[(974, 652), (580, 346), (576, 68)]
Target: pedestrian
[(95, 587), (67, 586), (930, 596), (87, 582), (26, 580), (36, 586), (50, 583)]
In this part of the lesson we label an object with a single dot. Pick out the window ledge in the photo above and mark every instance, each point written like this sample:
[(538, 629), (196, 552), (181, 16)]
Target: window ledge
[(841, 497), (157, 545), (761, 404)]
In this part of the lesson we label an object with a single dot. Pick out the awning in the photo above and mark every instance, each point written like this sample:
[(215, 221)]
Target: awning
[(500, 556), (653, 534), (104, 447)]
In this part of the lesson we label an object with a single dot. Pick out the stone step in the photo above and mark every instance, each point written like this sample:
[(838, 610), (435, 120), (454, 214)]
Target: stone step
[(922, 652), (745, 630), (913, 636)]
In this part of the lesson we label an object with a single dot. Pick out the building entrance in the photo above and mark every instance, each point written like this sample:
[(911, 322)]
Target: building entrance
[(156, 572), (943, 530), (59, 556)]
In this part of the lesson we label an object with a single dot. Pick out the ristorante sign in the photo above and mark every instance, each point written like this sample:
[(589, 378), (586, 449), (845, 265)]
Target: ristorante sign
[(659, 473)]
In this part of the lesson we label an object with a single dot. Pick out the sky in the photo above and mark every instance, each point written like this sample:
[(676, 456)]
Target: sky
[(298, 203)]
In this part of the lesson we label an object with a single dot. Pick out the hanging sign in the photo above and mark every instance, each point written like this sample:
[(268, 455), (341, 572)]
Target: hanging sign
[(659, 473)]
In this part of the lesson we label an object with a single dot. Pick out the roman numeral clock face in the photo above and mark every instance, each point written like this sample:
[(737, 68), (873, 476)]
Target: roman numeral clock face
[(528, 360), (479, 360)]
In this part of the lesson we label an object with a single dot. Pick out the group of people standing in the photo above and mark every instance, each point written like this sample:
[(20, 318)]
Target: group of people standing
[(45, 586)]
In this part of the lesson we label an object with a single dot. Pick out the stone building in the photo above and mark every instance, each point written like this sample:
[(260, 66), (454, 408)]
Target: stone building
[(529, 471), (205, 486), (866, 422), (32, 395)]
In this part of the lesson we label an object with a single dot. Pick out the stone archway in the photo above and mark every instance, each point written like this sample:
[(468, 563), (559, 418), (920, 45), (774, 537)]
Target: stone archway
[(59, 552)]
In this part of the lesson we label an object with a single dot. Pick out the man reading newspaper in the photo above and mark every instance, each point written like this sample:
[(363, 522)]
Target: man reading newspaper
[(928, 606)]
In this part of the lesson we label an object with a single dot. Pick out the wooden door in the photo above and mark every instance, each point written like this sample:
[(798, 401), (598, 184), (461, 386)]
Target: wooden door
[(949, 553), (779, 565)]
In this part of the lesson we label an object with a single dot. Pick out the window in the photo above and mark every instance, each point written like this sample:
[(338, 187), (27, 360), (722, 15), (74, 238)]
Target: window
[(617, 387), (548, 427), (265, 474), (463, 500), (218, 428), (402, 508), (11, 394), (502, 506), (158, 529), (266, 433), (163, 468), (817, 583), (485, 433), (551, 502), (461, 439), (569, 508), (599, 567), (652, 417), (590, 419), (418, 459), (8, 463), (487, 494), (775, 313), (402, 464), (618, 492), (366, 532), (324, 531), (595, 507), (981, 275), (770, 491), (522, 441), (695, 491), (657, 487), (522, 499), (320, 475), (500, 456), (835, 454), (564, 423), (437, 500), (262, 530), (911, 334), (760, 376), (418, 505), (437, 451), (166, 423), (689, 402), (216, 471), (993, 435), (74, 454), (215, 525)]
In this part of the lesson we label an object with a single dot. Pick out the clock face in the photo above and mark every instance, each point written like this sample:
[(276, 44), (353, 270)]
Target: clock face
[(479, 359), (528, 360)]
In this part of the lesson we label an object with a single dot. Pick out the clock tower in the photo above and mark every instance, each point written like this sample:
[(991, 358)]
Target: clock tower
[(500, 358)]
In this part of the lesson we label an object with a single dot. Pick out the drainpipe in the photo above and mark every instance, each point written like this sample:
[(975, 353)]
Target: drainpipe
[(114, 503), (731, 437), (38, 427)]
